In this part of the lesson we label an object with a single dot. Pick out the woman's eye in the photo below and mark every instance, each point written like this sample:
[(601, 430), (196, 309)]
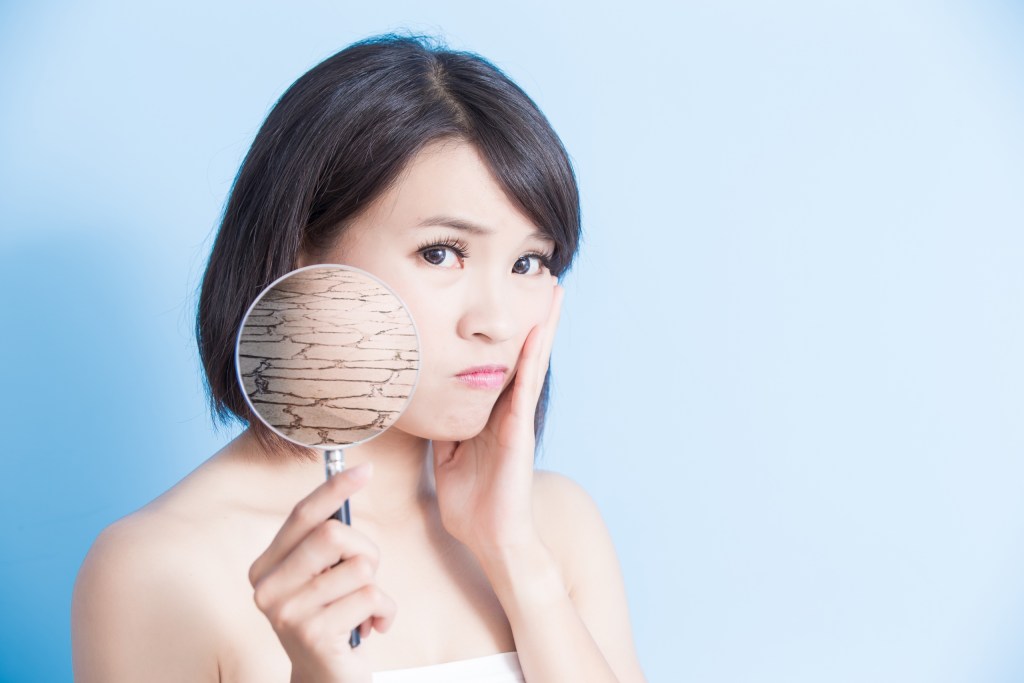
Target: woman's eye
[(522, 266), (443, 256)]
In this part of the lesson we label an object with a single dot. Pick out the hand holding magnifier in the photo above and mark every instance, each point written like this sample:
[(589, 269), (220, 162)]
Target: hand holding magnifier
[(328, 357)]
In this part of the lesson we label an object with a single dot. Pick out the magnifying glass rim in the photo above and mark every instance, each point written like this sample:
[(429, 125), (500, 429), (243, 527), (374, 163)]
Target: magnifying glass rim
[(238, 345)]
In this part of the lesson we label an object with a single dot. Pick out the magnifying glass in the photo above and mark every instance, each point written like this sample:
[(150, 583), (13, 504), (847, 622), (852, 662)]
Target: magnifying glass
[(328, 356)]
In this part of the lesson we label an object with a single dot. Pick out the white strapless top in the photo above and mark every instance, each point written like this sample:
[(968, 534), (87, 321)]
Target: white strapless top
[(499, 668)]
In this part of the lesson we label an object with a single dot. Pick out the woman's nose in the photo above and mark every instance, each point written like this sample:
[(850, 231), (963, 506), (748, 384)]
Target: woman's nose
[(488, 310)]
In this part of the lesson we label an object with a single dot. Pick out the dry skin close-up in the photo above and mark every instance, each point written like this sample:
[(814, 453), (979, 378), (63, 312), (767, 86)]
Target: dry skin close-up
[(328, 356)]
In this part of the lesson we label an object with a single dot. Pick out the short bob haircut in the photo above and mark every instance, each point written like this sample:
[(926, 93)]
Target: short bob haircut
[(336, 140)]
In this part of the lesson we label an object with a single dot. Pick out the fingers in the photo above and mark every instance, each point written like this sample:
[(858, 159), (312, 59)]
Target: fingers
[(313, 561), (310, 632), (309, 513), (548, 339), (368, 605), (306, 600), (312, 600), (536, 355)]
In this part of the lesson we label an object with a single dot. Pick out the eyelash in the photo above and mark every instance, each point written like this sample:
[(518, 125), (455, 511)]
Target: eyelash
[(456, 245), (462, 249)]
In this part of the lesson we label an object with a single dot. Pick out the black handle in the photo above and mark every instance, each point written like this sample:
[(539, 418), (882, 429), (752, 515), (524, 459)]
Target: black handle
[(344, 516)]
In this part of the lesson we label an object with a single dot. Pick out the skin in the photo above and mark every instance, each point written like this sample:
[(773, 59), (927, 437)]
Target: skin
[(230, 576)]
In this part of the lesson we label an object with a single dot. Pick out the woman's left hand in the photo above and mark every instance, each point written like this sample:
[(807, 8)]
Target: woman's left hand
[(484, 483)]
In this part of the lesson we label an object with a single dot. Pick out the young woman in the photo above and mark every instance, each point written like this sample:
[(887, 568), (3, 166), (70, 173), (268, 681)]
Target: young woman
[(430, 169)]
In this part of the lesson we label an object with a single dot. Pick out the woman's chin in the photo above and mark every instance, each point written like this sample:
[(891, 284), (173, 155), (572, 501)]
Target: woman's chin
[(461, 432), (444, 427)]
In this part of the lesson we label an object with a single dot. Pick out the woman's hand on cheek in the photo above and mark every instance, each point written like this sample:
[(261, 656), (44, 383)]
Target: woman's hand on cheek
[(484, 484)]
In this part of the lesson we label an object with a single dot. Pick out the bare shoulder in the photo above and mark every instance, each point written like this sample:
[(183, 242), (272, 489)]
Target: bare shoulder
[(573, 529), (553, 488), (569, 521), (562, 502), (564, 507), (146, 554), (144, 605)]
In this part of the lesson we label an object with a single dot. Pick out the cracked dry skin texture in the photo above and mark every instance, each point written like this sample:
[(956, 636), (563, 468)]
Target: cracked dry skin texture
[(328, 357)]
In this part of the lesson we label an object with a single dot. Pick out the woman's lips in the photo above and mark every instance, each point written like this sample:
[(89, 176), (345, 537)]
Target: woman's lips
[(483, 377)]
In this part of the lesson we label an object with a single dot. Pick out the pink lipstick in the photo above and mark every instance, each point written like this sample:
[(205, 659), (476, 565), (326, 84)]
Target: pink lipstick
[(483, 376)]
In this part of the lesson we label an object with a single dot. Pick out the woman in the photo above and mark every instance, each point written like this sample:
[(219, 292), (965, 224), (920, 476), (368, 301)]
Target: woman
[(433, 171)]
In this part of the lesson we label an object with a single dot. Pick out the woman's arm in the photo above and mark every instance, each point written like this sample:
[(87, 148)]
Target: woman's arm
[(564, 595), (135, 614)]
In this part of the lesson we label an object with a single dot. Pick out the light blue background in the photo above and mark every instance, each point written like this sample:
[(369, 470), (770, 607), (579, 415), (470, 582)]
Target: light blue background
[(789, 367)]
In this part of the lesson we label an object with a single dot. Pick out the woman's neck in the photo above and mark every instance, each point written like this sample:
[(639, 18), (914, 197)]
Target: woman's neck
[(402, 482)]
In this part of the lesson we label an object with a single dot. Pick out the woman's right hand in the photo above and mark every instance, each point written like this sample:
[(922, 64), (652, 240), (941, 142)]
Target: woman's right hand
[(312, 604)]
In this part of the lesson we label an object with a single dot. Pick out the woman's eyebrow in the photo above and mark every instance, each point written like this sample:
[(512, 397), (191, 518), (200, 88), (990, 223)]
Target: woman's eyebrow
[(470, 227), (457, 223)]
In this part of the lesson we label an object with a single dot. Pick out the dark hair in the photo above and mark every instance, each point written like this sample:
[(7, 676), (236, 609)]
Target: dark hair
[(336, 140)]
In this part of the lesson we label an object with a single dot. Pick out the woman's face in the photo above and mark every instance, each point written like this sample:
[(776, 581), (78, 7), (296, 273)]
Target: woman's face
[(474, 291)]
